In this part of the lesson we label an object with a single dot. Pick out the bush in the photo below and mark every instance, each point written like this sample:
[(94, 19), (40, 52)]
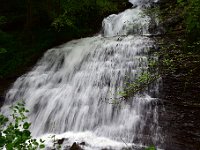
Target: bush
[(15, 133), (191, 18)]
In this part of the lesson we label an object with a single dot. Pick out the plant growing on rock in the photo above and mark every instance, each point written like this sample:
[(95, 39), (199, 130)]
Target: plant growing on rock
[(140, 84)]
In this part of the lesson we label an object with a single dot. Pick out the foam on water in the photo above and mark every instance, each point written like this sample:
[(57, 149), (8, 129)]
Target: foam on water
[(92, 142)]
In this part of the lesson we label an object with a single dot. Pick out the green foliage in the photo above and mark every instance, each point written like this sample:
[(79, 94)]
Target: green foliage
[(106, 6), (168, 64), (191, 17), (29, 27), (153, 64), (138, 84), (77, 15), (3, 20), (20, 48), (181, 2), (150, 148), (61, 22), (143, 80), (15, 134), (154, 12), (2, 50)]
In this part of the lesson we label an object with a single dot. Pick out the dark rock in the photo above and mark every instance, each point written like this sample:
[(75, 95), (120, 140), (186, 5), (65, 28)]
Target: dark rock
[(165, 3), (134, 6), (2, 98), (172, 21), (128, 5), (60, 141), (125, 5), (82, 143), (75, 146)]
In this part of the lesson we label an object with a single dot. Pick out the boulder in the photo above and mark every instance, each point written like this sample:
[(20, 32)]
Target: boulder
[(60, 141), (75, 146)]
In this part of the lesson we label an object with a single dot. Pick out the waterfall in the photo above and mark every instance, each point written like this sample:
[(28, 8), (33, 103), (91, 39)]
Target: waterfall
[(69, 90)]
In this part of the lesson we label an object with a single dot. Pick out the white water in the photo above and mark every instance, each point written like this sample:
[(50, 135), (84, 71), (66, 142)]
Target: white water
[(69, 90)]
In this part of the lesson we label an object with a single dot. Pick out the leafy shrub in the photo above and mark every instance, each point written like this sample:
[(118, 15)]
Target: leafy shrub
[(191, 17), (139, 85), (76, 16), (15, 133)]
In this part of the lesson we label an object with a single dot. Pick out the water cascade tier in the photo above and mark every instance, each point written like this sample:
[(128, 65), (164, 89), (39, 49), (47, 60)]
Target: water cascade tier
[(70, 91)]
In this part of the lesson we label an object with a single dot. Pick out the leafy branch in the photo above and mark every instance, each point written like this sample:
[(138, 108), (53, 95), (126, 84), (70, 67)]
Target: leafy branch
[(15, 133)]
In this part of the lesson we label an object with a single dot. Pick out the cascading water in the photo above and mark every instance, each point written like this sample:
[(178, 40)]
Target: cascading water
[(69, 90)]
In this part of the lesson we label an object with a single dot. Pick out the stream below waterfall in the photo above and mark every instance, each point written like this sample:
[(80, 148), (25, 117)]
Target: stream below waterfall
[(69, 91)]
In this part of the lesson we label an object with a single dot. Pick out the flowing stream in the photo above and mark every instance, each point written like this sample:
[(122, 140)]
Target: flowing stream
[(70, 92)]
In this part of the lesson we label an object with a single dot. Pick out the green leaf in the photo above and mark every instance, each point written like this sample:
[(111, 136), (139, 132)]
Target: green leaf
[(150, 148), (2, 141), (42, 146), (26, 125), (9, 146), (26, 133), (42, 141)]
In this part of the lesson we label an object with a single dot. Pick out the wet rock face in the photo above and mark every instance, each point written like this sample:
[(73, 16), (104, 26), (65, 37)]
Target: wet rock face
[(162, 3), (180, 119)]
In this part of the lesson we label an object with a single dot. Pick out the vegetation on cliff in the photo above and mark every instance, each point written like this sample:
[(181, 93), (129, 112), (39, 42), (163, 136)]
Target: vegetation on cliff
[(178, 49)]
